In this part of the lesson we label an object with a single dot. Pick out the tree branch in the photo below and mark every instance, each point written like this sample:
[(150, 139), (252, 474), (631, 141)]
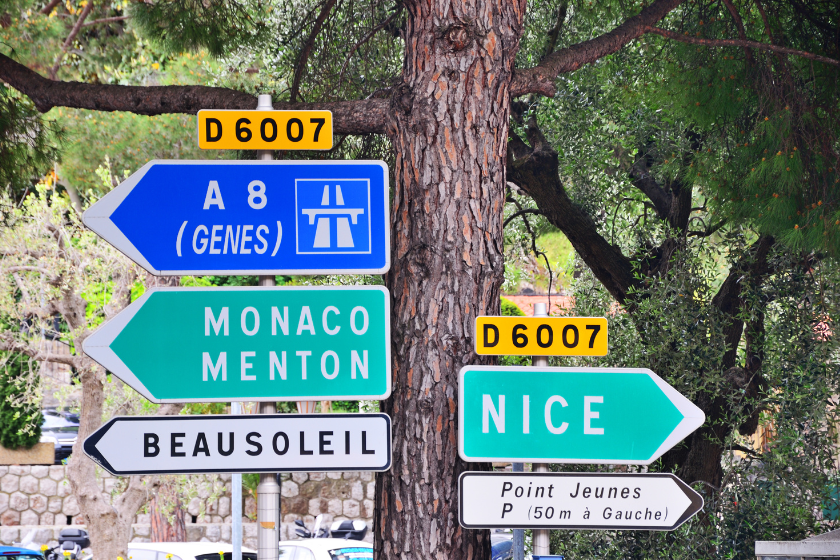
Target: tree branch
[(540, 79), (739, 23), (766, 22), (554, 32), (49, 7), (307, 48), (369, 116), (26, 269), (522, 213), (69, 41), (536, 171), (752, 268), (742, 449), (740, 43), (364, 40), (9, 344), (105, 20), (645, 182)]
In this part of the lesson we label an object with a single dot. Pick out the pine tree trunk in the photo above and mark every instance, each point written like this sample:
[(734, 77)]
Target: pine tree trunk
[(164, 529), (449, 130)]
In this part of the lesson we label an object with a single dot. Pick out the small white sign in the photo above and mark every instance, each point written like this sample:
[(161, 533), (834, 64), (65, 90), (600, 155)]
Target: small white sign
[(131, 445), (657, 502)]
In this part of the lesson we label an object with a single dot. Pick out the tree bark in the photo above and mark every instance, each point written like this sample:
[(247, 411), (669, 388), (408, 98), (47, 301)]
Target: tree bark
[(449, 129), (164, 530), (109, 524), (109, 530)]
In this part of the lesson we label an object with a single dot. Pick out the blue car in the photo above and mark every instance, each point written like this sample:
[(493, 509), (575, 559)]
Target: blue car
[(18, 553), (502, 550)]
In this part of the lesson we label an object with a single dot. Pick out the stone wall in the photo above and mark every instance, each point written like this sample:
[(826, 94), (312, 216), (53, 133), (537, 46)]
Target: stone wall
[(39, 497), (36, 495), (336, 495)]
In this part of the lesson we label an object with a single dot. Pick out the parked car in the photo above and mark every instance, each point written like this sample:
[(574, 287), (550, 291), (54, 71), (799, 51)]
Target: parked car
[(65, 413), (326, 549), (502, 550), (19, 553), (186, 551), (501, 545), (61, 431), (341, 541)]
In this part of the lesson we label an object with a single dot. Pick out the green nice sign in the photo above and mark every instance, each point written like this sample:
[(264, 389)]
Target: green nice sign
[(570, 415), (251, 344)]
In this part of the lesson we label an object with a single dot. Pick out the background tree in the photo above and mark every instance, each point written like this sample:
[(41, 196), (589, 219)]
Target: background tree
[(441, 80), (649, 164), (27, 143), (52, 266), (20, 413)]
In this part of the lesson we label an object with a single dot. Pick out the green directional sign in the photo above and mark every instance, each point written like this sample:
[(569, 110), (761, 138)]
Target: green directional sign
[(251, 344), (570, 415)]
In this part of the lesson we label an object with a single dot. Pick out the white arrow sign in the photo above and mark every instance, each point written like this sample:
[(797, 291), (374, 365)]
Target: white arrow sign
[(656, 502), (267, 443)]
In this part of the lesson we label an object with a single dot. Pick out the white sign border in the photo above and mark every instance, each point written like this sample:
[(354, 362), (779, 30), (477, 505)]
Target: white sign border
[(98, 345), (98, 219), (693, 417), (685, 516), (89, 444)]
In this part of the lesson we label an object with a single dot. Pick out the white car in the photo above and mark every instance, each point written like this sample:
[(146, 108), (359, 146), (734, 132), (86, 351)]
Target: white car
[(185, 551), (325, 549)]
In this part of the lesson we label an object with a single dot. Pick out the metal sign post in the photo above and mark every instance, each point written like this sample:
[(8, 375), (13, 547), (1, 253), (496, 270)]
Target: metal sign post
[(541, 539), (268, 491), (236, 500), (518, 534)]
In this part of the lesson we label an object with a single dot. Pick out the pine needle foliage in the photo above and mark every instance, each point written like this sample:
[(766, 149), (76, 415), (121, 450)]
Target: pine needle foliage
[(20, 413), (27, 143), (189, 25), (767, 124)]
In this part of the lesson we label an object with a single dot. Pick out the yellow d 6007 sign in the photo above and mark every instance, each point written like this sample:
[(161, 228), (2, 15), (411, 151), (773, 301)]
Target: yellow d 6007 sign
[(541, 336), (265, 130)]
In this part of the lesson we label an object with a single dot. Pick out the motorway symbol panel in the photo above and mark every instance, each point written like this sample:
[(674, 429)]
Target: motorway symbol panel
[(251, 344), (654, 502), (570, 415), (180, 217), (130, 445), (541, 336)]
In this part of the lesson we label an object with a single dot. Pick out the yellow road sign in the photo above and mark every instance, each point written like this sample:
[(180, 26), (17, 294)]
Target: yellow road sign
[(265, 130), (541, 336)]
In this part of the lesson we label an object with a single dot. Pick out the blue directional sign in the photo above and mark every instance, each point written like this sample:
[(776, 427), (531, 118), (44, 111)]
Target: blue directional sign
[(177, 217)]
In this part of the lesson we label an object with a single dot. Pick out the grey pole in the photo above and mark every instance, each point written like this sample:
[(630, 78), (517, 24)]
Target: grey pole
[(518, 534), (236, 501), (541, 541), (268, 491)]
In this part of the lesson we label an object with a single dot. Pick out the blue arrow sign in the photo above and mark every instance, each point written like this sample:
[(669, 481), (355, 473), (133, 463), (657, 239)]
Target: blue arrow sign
[(176, 217)]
